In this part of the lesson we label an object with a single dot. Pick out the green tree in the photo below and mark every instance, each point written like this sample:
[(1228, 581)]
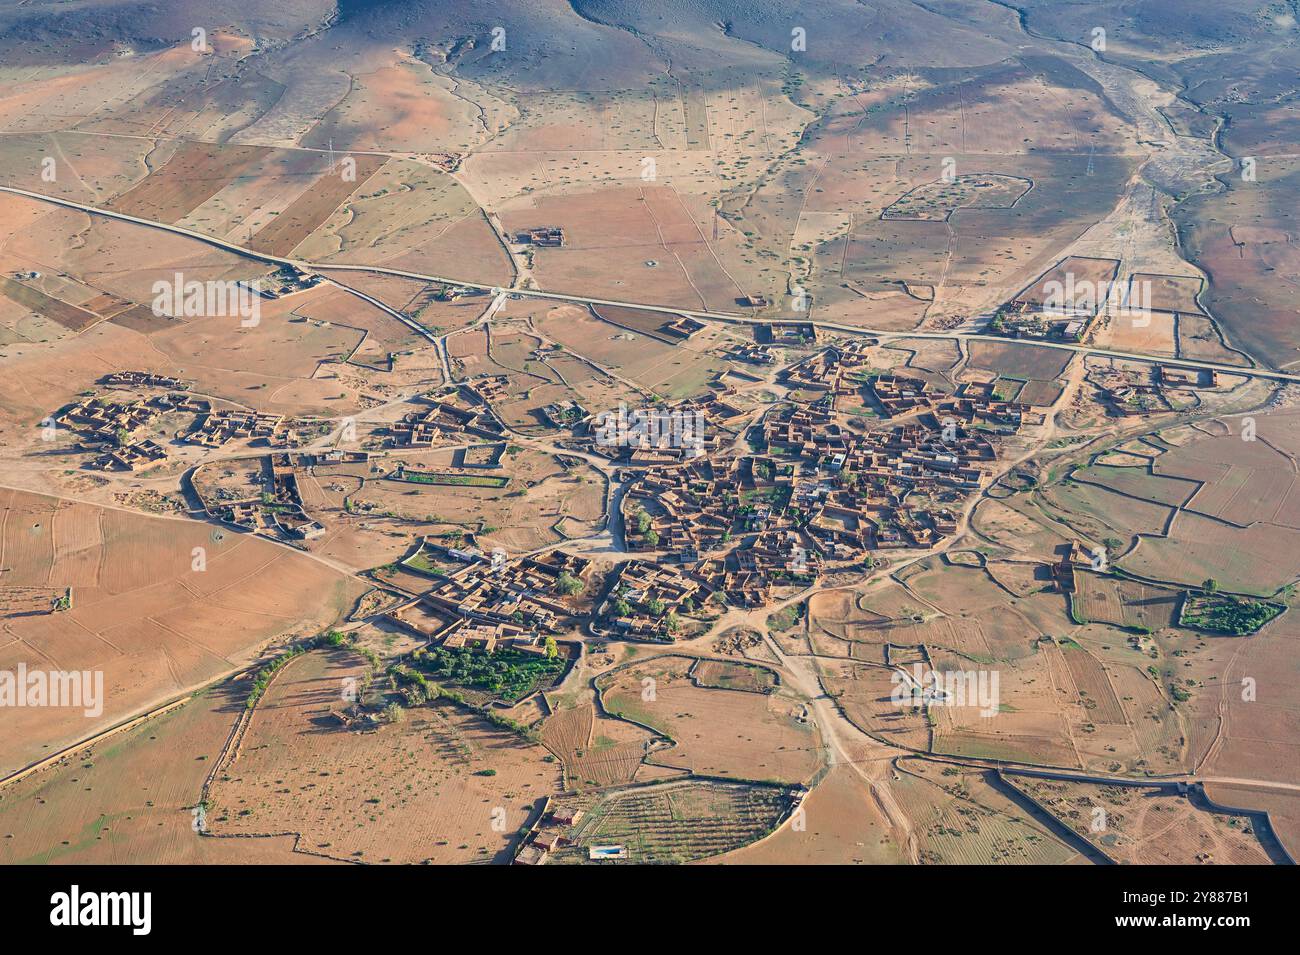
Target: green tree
[(552, 648), (1210, 586), (568, 584), (622, 608), (652, 537), (656, 607)]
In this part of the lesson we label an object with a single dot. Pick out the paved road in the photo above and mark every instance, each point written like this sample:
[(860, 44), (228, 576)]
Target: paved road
[(324, 268)]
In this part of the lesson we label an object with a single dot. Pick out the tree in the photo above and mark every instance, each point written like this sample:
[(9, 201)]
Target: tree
[(656, 607), (642, 522), (622, 608), (568, 584), (1210, 586), (552, 648), (393, 713), (652, 537)]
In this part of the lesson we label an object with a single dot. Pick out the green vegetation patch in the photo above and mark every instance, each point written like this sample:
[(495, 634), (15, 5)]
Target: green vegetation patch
[(1224, 613), (507, 674), (460, 480)]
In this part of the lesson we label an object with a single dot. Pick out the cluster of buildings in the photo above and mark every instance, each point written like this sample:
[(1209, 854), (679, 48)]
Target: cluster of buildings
[(787, 333), (276, 510), (489, 388), (443, 422), (565, 414), (130, 457), (555, 830), (1140, 391), (111, 426), (900, 395), (645, 597), (1027, 319), (776, 557), (143, 379), (752, 353), (218, 428), (493, 599), (839, 369), (549, 236), (815, 495), (681, 328), (666, 434)]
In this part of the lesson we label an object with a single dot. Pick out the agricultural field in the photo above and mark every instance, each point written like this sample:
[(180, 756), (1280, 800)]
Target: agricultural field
[(158, 606), (677, 822), (766, 742), (1137, 826), (596, 751), (963, 818), (420, 789)]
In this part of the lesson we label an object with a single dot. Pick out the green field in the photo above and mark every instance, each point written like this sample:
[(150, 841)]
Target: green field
[(461, 480)]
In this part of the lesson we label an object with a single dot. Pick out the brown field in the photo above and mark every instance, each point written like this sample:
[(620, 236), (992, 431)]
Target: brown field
[(763, 741), (1125, 603), (556, 504), (596, 751), (130, 799), (961, 818), (1023, 361), (843, 825), (863, 693), (1199, 339), (1076, 270), (1031, 724), (1168, 293), (71, 317), (1093, 687), (306, 213), (939, 200), (1099, 514), (415, 218), (627, 228), (194, 173), (1020, 528), (1151, 333), (404, 106), (721, 675), (1243, 481), (1144, 826), (674, 371), (1256, 738), (407, 792), (1283, 809), (141, 613), (1256, 560)]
